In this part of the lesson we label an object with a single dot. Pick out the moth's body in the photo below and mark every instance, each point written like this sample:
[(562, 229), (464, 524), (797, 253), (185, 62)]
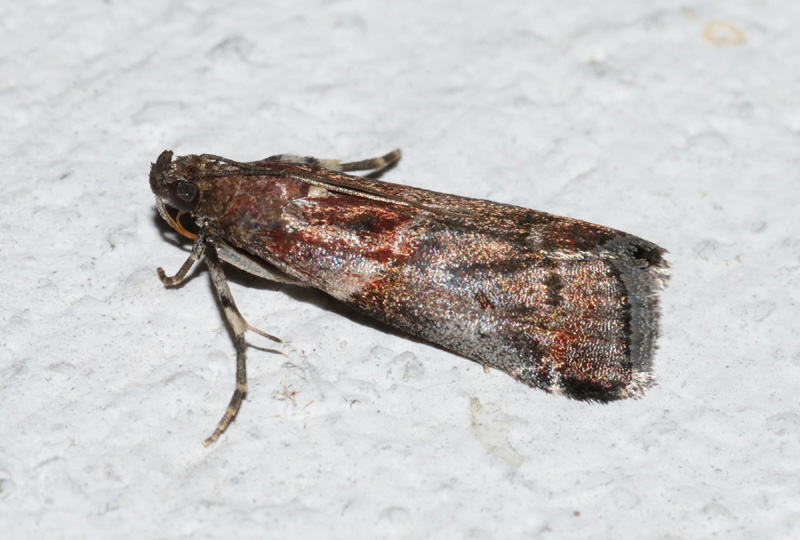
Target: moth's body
[(557, 303)]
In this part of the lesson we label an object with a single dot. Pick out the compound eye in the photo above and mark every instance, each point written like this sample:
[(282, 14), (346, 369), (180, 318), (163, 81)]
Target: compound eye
[(186, 191), (183, 195)]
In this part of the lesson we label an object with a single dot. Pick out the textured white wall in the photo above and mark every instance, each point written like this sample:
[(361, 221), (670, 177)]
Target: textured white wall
[(679, 125)]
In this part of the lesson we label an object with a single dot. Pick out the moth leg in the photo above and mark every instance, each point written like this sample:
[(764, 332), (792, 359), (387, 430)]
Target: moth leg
[(331, 164), (198, 248), (236, 258), (239, 326), (373, 163), (336, 166)]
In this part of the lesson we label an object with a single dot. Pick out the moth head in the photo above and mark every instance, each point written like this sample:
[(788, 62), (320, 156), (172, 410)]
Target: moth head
[(170, 187)]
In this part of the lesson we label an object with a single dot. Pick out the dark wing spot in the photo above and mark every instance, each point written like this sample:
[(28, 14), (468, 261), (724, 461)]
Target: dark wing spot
[(364, 223), (483, 300), (651, 254), (554, 288), (587, 390)]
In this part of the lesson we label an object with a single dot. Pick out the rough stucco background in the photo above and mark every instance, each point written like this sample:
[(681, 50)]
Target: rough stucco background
[(678, 124)]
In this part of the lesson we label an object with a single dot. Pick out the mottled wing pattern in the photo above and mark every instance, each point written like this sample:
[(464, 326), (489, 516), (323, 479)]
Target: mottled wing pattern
[(557, 303)]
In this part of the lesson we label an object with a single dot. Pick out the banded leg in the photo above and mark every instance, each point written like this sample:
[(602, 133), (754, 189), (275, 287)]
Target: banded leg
[(373, 163), (239, 326), (252, 266), (198, 248), (330, 164), (205, 245)]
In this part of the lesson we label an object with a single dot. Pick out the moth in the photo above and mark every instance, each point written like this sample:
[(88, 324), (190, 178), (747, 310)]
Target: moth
[(557, 303)]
